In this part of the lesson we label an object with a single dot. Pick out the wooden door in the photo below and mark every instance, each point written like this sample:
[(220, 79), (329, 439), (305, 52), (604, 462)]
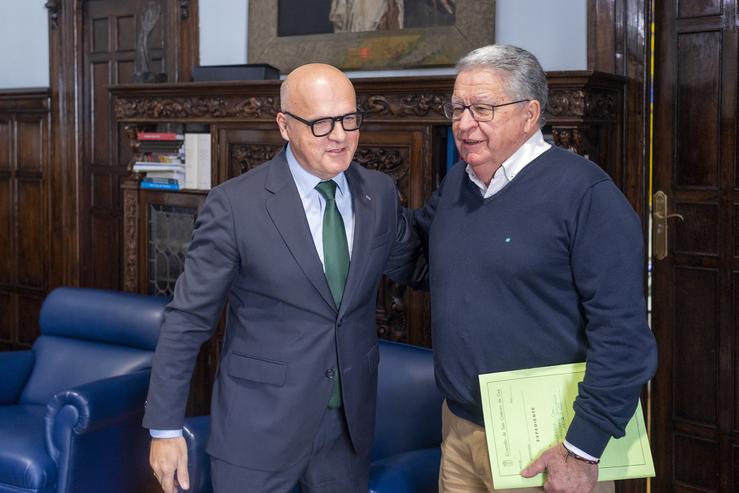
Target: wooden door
[(695, 289), (111, 36)]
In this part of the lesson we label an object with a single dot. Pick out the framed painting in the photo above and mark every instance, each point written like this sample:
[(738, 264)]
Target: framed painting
[(368, 34)]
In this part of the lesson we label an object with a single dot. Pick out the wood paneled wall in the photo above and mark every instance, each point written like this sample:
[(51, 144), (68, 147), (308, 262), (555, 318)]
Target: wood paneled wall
[(24, 213), (619, 37)]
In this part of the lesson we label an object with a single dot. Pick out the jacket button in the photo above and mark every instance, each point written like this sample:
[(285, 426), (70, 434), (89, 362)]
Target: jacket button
[(330, 373)]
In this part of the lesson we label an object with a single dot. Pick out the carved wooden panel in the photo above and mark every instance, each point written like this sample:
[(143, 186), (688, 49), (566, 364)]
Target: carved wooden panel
[(243, 149), (690, 235), (689, 453), (696, 324), (24, 214), (244, 157), (31, 229), (130, 236), (404, 153), (698, 103), (199, 107), (698, 8)]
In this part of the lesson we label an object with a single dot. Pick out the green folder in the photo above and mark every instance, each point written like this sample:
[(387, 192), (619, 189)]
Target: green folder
[(528, 411)]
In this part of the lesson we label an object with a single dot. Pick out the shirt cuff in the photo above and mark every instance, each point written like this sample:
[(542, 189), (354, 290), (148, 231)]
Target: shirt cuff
[(579, 452), (165, 433)]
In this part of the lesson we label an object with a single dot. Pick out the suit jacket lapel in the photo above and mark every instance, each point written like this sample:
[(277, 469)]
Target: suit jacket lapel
[(364, 217), (286, 211)]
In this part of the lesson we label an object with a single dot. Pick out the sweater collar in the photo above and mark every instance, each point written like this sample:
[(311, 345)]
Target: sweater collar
[(529, 150)]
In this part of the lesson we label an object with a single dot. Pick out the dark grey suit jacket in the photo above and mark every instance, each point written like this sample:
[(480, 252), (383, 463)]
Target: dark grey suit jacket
[(252, 247)]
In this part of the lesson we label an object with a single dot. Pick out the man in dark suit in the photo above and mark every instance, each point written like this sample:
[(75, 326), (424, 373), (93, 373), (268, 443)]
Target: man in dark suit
[(297, 247)]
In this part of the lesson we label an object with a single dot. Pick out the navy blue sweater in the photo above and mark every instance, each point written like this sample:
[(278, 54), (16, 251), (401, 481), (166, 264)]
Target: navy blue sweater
[(547, 271)]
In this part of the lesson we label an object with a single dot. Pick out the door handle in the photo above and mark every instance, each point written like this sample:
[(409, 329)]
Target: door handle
[(659, 224)]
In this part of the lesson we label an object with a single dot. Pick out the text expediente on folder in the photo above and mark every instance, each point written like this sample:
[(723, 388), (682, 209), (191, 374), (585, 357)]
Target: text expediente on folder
[(528, 411)]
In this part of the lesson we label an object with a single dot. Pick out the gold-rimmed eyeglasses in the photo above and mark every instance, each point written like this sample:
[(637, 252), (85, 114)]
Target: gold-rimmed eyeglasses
[(479, 112)]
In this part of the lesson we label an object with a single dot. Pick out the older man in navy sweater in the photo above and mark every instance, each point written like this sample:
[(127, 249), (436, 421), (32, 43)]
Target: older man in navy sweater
[(535, 259)]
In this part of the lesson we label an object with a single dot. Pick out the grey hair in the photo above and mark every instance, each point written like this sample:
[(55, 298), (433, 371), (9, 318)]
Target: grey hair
[(526, 78)]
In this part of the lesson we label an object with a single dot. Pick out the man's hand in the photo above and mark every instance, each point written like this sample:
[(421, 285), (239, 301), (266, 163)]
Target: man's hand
[(167, 457), (564, 475)]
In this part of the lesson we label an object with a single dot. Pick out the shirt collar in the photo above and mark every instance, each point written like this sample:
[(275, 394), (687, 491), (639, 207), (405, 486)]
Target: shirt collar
[(529, 150), (306, 181)]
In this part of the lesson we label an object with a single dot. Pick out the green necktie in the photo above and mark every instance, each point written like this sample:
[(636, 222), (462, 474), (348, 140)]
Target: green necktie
[(335, 260)]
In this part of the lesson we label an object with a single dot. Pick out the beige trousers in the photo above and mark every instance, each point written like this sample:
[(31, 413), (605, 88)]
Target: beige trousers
[(465, 466)]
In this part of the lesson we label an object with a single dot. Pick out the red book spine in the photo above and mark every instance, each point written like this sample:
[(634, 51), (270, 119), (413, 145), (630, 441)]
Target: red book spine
[(158, 136)]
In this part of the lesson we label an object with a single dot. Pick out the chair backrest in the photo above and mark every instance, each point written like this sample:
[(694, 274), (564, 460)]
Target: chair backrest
[(90, 334), (408, 401)]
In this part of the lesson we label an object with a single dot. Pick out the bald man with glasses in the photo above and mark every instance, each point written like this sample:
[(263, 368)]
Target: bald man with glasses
[(297, 247)]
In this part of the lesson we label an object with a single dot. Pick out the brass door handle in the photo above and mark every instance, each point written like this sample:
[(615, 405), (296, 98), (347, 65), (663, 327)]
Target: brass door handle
[(659, 224), (659, 215)]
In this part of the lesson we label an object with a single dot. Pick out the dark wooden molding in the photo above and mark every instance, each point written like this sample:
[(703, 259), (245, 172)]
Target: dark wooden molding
[(53, 6), (131, 236), (412, 105), (25, 99), (184, 9), (206, 107)]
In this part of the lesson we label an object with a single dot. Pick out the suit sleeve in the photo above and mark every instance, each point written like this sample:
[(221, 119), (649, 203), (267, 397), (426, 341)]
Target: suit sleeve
[(405, 259), (419, 221), (607, 261), (211, 263)]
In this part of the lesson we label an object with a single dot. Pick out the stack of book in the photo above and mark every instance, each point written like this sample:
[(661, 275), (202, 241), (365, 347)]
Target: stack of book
[(161, 160), (171, 161)]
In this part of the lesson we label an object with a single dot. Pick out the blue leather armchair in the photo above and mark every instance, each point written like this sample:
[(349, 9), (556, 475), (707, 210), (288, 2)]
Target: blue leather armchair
[(71, 407), (405, 454)]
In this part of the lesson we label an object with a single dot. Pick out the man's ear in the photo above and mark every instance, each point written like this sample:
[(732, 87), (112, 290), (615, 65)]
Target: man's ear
[(533, 112), (282, 125)]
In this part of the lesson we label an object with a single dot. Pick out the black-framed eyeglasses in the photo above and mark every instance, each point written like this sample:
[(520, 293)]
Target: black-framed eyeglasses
[(324, 126), (479, 112)]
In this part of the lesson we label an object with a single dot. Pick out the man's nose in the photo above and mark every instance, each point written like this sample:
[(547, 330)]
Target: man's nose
[(466, 122), (338, 132)]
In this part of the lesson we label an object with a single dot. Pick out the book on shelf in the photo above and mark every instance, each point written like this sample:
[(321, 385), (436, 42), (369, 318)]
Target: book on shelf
[(159, 136), (166, 177), (197, 161), (161, 157), (172, 146), (146, 166), (156, 185)]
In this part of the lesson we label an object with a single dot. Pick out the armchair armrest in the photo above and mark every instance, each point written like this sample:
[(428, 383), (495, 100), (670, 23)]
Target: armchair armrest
[(409, 472), (94, 406), (15, 367)]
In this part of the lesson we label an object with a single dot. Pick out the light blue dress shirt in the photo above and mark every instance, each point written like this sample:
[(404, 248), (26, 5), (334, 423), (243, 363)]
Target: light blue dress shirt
[(313, 204)]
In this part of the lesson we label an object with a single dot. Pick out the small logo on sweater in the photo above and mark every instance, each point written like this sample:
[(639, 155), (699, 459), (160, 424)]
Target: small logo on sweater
[(507, 239)]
